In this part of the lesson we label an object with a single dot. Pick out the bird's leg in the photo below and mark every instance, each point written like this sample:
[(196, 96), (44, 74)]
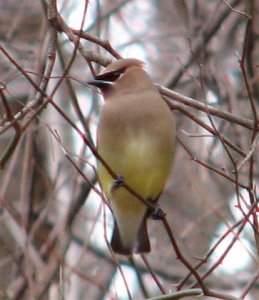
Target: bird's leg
[(155, 212), (118, 182), (158, 213)]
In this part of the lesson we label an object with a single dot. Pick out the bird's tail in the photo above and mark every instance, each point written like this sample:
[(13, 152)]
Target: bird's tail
[(140, 245), (143, 243)]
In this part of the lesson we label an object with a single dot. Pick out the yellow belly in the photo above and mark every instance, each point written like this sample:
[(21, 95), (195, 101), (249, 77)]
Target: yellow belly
[(145, 168)]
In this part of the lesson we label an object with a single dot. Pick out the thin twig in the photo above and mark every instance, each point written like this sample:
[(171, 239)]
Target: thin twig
[(247, 123)]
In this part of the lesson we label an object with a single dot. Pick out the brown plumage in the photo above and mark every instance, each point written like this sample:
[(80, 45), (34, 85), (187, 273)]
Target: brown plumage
[(136, 139)]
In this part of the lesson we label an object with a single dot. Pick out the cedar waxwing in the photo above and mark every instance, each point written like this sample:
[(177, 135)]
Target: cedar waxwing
[(135, 137)]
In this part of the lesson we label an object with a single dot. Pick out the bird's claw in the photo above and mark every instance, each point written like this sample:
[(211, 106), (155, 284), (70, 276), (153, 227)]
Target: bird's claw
[(157, 213), (118, 182)]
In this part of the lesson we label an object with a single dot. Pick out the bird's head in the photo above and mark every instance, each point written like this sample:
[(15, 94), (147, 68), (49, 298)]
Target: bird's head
[(114, 72)]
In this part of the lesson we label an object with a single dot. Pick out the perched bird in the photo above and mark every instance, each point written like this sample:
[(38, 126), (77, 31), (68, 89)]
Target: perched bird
[(135, 137)]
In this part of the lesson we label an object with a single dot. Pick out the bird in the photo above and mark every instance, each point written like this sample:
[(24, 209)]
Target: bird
[(136, 140)]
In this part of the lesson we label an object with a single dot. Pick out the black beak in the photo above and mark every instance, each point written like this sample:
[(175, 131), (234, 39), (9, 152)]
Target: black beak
[(100, 83)]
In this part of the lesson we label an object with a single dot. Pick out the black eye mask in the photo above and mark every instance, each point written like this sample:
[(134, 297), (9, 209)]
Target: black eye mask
[(110, 76)]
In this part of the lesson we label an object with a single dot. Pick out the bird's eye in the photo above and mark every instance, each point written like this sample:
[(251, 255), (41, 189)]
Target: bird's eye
[(114, 76)]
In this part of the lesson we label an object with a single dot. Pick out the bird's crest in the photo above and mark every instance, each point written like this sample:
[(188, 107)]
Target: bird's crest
[(118, 67)]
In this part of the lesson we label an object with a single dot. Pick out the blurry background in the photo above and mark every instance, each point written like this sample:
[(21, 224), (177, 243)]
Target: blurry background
[(54, 225)]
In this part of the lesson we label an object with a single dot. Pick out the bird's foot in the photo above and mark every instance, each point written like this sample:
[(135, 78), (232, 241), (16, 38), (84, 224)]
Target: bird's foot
[(156, 213), (118, 182)]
